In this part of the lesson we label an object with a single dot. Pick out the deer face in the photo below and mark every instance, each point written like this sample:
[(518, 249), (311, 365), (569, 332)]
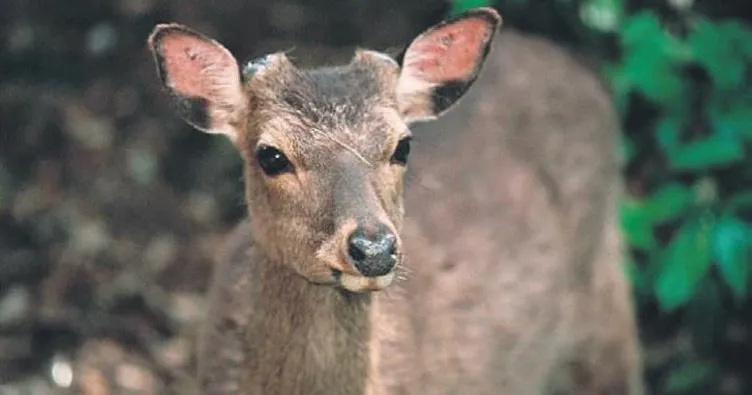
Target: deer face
[(325, 150)]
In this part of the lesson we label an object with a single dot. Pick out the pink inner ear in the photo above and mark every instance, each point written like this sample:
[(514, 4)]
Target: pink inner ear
[(449, 52), (196, 66)]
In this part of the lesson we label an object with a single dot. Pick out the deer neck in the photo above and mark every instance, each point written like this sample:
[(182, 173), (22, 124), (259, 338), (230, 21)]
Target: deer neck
[(307, 338)]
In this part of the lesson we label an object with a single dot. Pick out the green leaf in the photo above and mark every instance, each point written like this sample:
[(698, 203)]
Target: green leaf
[(735, 119), (711, 152), (651, 57), (460, 6), (688, 376), (732, 248), (684, 263), (636, 224), (669, 202), (644, 30), (653, 74), (714, 47), (668, 131), (639, 27)]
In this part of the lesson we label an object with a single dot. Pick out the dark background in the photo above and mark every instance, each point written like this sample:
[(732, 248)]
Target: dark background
[(110, 206)]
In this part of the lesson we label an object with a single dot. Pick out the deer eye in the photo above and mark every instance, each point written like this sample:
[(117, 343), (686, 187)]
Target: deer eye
[(272, 161), (401, 152)]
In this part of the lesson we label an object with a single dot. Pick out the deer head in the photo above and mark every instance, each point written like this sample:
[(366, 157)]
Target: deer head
[(325, 150)]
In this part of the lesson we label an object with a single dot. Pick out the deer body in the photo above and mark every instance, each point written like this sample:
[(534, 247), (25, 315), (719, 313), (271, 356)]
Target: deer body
[(512, 238), (514, 285)]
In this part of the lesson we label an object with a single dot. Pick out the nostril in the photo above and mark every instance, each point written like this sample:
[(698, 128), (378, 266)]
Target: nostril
[(373, 256), (355, 250)]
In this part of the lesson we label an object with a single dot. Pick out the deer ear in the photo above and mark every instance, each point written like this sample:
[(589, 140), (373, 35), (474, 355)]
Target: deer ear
[(439, 66), (202, 77)]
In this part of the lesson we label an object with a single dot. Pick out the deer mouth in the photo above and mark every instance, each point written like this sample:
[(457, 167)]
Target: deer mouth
[(359, 284)]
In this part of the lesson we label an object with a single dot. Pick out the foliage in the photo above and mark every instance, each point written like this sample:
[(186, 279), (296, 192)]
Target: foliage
[(690, 220), (458, 7), (681, 79)]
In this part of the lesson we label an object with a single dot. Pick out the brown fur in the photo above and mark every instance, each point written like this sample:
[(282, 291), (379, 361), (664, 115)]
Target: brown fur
[(512, 238), (512, 253), (300, 337)]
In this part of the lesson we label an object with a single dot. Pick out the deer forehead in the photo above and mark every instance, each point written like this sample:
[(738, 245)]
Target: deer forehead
[(346, 108)]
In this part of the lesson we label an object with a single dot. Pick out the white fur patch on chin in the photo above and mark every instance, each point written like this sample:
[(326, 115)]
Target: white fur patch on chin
[(359, 284)]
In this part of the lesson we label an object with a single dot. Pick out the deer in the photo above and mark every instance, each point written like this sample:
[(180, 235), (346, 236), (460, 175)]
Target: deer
[(493, 268)]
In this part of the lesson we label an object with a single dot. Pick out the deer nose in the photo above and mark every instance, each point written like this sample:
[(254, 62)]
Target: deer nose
[(375, 254)]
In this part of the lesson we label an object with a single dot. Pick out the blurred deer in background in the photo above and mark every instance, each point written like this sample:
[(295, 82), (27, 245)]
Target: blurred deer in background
[(512, 255)]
